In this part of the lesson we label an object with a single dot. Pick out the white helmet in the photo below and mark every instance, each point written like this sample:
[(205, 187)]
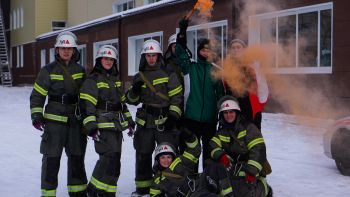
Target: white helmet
[(172, 39), (164, 148), (66, 39), (107, 51), (229, 105), (151, 46)]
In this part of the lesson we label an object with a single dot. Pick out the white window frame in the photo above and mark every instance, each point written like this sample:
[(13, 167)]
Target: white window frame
[(42, 57), (207, 26), (19, 63), (254, 37), (132, 65), (18, 18), (11, 21), (83, 57), (22, 17), (98, 44), (14, 14), (52, 54)]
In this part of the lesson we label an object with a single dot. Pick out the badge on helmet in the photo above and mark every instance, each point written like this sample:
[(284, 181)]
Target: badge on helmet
[(151, 46), (66, 39), (107, 51)]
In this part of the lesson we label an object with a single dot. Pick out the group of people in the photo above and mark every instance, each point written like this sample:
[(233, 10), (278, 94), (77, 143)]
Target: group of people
[(184, 112)]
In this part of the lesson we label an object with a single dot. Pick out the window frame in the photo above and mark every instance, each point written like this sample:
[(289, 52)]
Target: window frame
[(121, 3), (254, 37), (42, 57), (83, 57), (58, 28), (132, 65)]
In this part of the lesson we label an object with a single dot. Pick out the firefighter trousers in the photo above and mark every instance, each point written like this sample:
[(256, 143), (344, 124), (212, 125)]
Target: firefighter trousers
[(107, 169), (57, 136), (144, 144)]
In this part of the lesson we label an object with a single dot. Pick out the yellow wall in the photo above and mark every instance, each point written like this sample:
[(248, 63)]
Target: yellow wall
[(81, 11), (26, 33), (48, 11), (37, 18)]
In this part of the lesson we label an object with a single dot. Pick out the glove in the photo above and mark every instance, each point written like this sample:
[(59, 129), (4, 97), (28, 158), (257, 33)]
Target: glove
[(183, 24), (136, 87), (95, 134), (226, 161), (38, 123), (131, 128), (249, 178), (170, 123)]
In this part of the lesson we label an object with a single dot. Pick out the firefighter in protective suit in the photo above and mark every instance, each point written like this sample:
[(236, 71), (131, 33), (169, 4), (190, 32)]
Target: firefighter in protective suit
[(105, 116), (60, 82), (177, 177), (160, 93), (239, 146)]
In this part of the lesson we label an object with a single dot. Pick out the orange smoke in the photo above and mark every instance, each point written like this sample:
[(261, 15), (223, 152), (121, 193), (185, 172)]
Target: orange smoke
[(238, 72), (204, 7)]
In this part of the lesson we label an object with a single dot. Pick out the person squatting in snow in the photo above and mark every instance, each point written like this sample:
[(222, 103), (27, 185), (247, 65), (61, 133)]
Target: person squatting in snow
[(61, 125), (105, 116), (175, 175), (160, 93), (239, 146)]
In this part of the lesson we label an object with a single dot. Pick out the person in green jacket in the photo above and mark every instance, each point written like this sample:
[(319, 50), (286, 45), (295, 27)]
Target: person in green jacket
[(105, 116), (60, 81), (160, 93), (239, 146), (204, 91), (175, 175)]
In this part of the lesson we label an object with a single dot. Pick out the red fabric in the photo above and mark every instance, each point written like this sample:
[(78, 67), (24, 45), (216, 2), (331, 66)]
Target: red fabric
[(256, 105), (224, 160), (250, 178)]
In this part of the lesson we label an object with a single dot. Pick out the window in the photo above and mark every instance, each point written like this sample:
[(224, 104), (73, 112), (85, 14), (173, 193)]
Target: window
[(52, 54), (82, 51), (18, 19), (58, 25), (302, 38), (97, 45), (134, 49), (14, 19), (19, 56), (43, 57), (216, 32), (123, 5), (151, 1), (21, 13)]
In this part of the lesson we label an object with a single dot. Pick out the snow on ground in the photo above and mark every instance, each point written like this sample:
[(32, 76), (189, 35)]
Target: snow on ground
[(294, 150)]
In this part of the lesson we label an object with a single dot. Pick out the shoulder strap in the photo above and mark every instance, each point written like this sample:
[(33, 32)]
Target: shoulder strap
[(168, 174), (69, 76), (152, 88)]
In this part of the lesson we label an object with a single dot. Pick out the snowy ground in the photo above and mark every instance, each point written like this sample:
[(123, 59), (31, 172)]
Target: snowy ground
[(295, 152)]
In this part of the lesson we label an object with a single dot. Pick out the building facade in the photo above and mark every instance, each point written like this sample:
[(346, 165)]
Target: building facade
[(315, 32)]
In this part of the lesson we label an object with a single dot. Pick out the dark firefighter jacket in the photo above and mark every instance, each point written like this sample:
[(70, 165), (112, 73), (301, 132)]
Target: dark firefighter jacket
[(243, 142), (165, 83), (167, 181), (55, 82), (204, 91), (103, 100)]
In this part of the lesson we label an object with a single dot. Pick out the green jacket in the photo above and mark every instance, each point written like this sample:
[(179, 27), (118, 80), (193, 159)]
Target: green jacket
[(167, 181), (204, 91), (101, 89), (243, 142), (52, 80)]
